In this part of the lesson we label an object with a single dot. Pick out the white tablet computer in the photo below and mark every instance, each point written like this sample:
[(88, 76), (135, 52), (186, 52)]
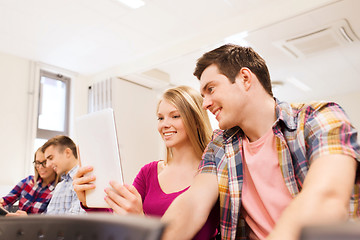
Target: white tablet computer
[(98, 147)]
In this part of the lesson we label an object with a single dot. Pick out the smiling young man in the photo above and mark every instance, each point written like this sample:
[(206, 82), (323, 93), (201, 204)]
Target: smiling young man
[(60, 153), (274, 166)]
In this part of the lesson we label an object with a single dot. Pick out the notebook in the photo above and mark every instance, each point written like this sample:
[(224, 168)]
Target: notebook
[(98, 147)]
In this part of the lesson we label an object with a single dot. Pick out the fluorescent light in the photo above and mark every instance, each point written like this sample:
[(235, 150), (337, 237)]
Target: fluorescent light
[(297, 83), (133, 3)]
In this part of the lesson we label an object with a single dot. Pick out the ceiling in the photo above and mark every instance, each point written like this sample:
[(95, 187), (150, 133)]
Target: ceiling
[(91, 37)]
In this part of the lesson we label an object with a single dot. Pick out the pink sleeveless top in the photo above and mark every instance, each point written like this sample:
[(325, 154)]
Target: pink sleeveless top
[(156, 202)]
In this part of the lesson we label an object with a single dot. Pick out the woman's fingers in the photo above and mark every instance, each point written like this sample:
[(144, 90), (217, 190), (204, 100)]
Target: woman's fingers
[(122, 189), (114, 206), (125, 197), (117, 198), (82, 183), (82, 171), (133, 190), (17, 213), (84, 180)]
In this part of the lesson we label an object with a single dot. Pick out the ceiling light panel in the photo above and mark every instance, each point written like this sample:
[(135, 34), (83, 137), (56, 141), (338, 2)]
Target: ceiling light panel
[(334, 35)]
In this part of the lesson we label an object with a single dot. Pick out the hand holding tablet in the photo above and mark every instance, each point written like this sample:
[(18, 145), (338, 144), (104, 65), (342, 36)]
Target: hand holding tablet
[(98, 147)]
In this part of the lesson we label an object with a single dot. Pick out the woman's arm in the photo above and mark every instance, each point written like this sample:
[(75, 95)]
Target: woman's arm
[(15, 193)]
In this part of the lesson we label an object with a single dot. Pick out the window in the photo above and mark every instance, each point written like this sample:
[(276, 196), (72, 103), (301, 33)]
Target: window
[(53, 108)]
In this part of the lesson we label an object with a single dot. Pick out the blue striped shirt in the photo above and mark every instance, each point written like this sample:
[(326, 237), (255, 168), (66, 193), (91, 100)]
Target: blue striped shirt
[(64, 199)]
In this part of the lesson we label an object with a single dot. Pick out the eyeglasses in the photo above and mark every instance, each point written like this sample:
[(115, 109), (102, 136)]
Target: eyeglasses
[(37, 164)]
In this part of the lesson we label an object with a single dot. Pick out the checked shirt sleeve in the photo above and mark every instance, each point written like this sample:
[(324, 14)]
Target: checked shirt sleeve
[(15, 193), (208, 164), (328, 131)]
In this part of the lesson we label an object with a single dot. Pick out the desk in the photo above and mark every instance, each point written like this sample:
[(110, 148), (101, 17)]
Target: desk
[(80, 227)]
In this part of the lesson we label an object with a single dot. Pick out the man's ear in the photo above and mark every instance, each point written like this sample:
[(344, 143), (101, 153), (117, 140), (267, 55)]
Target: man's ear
[(68, 152), (245, 74)]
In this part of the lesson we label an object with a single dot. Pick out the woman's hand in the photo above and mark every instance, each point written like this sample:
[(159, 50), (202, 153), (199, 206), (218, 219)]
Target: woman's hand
[(82, 183), (17, 213), (124, 199)]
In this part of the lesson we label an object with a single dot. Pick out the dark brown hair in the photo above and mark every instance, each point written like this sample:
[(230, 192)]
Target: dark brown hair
[(62, 142), (230, 58)]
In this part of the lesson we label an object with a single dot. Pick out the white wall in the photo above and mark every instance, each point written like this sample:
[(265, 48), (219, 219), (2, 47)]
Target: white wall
[(14, 99), (79, 100), (136, 122)]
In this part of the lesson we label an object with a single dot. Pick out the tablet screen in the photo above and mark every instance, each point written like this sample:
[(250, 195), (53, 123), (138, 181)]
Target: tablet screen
[(98, 147)]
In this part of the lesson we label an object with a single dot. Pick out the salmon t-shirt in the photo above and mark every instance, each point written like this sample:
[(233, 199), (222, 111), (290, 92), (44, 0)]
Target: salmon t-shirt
[(264, 193)]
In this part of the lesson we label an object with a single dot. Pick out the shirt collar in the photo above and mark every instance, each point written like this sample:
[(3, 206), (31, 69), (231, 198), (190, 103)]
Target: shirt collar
[(70, 174), (284, 113), (51, 185), (229, 133)]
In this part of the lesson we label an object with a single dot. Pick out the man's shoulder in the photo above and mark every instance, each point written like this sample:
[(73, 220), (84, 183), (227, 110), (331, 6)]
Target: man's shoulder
[(58, 187), (28, 180), (217, 134), (220, 137), (292, 112), (217, 137), (314, 106), (150, 167)]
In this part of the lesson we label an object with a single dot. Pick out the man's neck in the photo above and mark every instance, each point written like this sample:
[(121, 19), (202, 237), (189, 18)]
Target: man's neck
[(74, 163), (260, 120)]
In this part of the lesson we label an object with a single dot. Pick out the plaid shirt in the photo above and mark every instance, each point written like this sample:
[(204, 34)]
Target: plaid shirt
[(65, 200), (32, 199), (303, 134)]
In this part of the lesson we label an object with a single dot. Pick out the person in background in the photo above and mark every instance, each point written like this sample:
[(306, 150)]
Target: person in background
[(185, 129), (33, 192), (60, 153), (276, 167)]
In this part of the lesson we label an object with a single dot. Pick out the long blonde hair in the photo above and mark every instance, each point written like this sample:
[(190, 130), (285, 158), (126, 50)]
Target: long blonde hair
[(196, 120)]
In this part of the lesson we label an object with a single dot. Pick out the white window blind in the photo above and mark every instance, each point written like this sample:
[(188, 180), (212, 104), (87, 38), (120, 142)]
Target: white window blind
[(100, 95)]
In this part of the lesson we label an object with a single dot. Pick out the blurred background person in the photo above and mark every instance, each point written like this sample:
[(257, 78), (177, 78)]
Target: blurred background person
[(33, 192)]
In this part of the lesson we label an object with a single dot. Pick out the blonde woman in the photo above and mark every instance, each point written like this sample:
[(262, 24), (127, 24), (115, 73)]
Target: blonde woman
[(33, 192), (185, 129)]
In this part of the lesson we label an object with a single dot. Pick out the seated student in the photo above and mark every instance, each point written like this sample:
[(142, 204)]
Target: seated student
[(185, 128), (60, 153), (34, 192), (276, 166)]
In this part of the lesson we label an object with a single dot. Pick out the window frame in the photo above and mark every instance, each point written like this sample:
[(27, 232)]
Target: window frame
[(45, 133)]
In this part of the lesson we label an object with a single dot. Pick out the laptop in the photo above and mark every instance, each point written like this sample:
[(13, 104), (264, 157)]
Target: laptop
[(98, 147)]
